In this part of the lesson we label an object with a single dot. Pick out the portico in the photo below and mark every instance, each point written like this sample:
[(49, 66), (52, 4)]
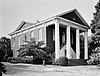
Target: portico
[(70, 53)]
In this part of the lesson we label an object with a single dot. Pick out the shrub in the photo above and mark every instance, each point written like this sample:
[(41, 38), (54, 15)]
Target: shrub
[(63, 61), (12, 59), (25, 59), (95, 57)]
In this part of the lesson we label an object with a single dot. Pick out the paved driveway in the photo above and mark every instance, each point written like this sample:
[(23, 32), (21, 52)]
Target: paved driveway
[(50, 70)]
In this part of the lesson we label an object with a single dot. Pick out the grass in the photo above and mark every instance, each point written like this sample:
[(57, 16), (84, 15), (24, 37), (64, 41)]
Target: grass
[(48, 70)]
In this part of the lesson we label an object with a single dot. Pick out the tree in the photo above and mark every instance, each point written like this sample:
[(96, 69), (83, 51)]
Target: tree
[(95, 25), (33, 48), (5, 48), (94, 41), (95, 28)]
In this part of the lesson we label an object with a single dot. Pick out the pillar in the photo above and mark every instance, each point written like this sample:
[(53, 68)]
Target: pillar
[(57, 42), (86, 44), (68, 42), (77, 44)]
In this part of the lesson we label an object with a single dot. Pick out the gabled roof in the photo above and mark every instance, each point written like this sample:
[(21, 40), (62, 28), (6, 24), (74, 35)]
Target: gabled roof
[(74, 16), (23, 25)]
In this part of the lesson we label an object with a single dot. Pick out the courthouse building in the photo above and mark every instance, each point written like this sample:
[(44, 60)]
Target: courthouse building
[(60, 33)]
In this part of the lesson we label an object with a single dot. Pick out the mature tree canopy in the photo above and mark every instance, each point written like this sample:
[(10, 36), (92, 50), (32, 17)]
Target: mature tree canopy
[(95, 25), (5, 47), (95, 28)]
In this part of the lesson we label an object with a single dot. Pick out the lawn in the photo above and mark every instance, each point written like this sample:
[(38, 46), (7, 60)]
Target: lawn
[(50, 70)]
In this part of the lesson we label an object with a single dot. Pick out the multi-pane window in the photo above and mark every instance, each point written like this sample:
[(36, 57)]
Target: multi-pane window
[(40, 34), (13, 43), (72, 41), (19, 40), (32, 34), (25, 38), (53, 34), (63, 37)]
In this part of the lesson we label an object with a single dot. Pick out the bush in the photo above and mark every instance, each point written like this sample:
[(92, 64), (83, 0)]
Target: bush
[(95, 57), (25, 59), (12, 59), (63, 61)]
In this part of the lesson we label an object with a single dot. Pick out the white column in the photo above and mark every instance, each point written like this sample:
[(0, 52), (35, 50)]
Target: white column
[(68, 42), (45, 33), (86, 44), (57, 42), (77, 44)]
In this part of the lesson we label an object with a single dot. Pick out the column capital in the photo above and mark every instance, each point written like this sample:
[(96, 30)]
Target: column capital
[(56, 20)]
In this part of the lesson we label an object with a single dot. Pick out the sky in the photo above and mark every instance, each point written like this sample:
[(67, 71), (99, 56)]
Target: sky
[(12, 12)]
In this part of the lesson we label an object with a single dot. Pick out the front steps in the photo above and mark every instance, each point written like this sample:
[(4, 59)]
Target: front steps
[(76, 62)]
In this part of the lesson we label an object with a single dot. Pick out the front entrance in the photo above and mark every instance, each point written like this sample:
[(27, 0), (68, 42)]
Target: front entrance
[(50, 39)]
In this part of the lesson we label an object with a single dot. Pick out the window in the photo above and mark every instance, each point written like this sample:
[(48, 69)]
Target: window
[(25, 39), (32, 34), (40, 34), (63, 37), (72, 41), (53, 34), (13, 42), (19, 40)]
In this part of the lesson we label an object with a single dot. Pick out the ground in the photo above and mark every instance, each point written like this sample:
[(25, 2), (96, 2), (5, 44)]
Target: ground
[(50, 70)]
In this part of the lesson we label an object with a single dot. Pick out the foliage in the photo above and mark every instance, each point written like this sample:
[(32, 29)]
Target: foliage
[(63, 61), (95, 57), (94, 40), (82, 46), (25, 59), (34, 48), (95, 28), (95, 25), (5, 48), (50, 58)]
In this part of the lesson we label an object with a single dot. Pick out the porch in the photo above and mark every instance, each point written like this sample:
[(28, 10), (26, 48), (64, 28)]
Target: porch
[(64, 39)]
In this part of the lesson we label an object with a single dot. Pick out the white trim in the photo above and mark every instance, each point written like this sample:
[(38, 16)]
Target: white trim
[(81, 17), (36, 25), (68, 43), (33, 28), (57, 41), (73, 23), (86, 44)]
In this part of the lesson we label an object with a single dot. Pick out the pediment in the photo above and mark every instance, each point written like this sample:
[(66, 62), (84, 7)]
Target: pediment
[(23, 25), (74, 16)]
